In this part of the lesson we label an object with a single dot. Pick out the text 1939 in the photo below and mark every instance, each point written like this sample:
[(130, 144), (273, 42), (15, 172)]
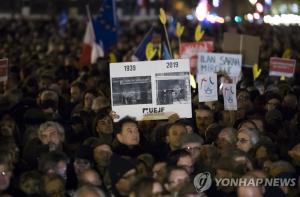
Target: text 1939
[(130, 68)]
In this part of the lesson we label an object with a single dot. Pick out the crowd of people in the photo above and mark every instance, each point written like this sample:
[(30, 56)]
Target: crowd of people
[(58, 137)]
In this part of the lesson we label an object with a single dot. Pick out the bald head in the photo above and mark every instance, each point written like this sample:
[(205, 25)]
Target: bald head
[(250, 190), (89, 191), (90, 177)]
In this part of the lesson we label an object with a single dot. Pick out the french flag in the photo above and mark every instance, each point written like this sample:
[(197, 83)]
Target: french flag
[(91, 49)]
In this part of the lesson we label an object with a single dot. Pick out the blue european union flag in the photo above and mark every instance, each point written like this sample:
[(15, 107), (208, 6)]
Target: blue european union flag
[(140, 52), (106, 25), (163, 50), (62, 21)]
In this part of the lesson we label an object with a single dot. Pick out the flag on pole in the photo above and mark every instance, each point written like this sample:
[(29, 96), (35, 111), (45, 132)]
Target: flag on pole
[(106, 25), (91, 49), (140, 52), (62, 21), (163, 51)]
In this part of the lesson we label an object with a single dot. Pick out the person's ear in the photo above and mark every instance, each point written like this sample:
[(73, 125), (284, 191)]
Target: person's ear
[(167, 140), (120, 137)]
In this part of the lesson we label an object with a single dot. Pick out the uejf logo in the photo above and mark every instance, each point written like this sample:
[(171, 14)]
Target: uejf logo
[(202, 181)]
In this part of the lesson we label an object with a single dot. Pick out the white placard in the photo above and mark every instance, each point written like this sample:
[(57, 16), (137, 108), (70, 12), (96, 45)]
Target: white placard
[(151, 90), (207, 87), (230, 64), (229, 94)]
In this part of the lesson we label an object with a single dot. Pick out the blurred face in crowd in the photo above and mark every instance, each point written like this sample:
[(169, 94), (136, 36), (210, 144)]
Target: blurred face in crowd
[(88, 100), (30, 186), (126, 181), (61, 169), (5, 176), (159, 171), (99, 103), (102, 155), (203, 119), (7, 128), (186, 162), (92, 82), (243, 141), (194, 149), (174, 136), (14, 151), (129, 135), (51, 136), (55, 188), (105, 125), (290, 100), (294, 153), (225, 139), (176, 180), (44, 83), (243, 100), (272, 104), (75, 94), (81, 165)]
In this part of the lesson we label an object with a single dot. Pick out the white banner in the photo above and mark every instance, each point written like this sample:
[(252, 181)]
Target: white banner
[(151, 90), (207, 87), (229, 94), (230, 64)]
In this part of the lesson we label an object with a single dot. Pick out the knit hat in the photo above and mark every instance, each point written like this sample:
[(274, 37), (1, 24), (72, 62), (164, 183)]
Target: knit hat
[(118, 167), (191, 138)]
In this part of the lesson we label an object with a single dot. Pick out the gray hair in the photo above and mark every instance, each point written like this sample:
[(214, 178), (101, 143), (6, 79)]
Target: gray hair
[(253, 134), (231, 132), (52, 124), (89, 189), (49, 94)]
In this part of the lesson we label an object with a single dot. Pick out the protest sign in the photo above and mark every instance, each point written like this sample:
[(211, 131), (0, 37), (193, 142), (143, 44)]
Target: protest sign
[(3, 70), (151, 90), (229, 93), (192, 49), (207, 87), (282, 67), (219, 63), (246, 45)]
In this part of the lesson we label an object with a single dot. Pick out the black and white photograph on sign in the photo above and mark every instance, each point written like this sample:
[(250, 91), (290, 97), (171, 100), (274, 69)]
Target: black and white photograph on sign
[(173, 88), (132, 90)]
